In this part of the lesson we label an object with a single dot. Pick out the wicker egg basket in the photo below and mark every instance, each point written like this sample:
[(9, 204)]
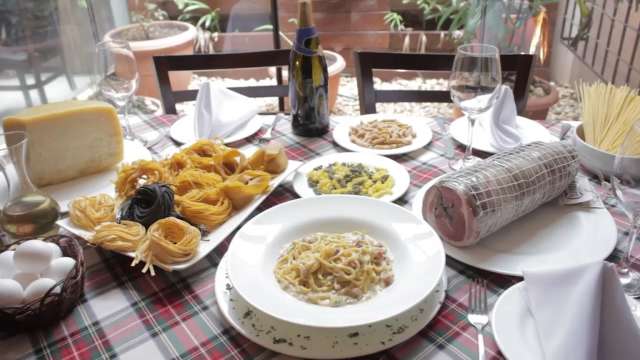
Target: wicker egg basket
[(54, 305)]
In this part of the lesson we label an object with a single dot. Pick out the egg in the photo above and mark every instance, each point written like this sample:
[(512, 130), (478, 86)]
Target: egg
[(24, 279), (7, 268), (55, 250), (32, 256), (37, 289), (11, 293), (59, 268)]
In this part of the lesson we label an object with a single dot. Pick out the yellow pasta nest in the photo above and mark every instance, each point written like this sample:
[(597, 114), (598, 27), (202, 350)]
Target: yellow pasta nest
[(138, 173), (89, 211), (348, 178), (242, 188), (208, 207), (191, 179), (168, 241), (123, 237)]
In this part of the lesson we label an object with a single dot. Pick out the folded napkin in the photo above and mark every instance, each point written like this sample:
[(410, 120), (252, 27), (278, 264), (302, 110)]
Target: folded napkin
[(503, 128), (581, 313), (219, 111)]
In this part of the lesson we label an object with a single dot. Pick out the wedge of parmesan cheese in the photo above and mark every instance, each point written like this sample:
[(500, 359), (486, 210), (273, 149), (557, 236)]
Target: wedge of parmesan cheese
[(68, 139)]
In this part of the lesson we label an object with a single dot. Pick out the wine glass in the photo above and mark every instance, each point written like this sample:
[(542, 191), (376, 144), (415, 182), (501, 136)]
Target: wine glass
[(474, 79), (117, 77), (626, 187)]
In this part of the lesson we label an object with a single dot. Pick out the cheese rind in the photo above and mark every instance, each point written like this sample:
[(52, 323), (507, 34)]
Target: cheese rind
[(69, 139)]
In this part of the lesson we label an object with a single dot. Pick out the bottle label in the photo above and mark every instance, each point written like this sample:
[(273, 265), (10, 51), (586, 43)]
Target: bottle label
[(301, 37)]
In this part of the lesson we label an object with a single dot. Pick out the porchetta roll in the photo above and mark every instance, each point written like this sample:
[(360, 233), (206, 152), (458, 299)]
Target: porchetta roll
[(469, 204)]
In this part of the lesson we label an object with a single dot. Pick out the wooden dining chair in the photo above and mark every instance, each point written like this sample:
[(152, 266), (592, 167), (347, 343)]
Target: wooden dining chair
[(367, 61), (238, 60)]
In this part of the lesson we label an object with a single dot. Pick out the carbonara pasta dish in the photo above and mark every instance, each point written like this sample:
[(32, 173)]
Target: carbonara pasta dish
[(334, 269)]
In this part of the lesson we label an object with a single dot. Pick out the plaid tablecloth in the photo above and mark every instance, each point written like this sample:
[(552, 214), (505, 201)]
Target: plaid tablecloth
[(126, 314)]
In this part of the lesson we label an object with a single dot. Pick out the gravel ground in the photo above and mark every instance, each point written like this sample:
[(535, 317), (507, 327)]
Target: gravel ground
[(347, 102)]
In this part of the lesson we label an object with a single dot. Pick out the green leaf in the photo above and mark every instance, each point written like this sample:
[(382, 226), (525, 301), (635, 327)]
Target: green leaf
[(196, 7), (207, 23), (201, 21)]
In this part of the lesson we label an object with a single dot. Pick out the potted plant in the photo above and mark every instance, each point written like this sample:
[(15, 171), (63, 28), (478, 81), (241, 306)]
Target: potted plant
[(153, 35), (512, 25)]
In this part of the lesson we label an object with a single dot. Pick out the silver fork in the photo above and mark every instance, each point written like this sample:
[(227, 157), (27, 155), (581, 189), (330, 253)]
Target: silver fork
[(267, 136), (478, 311)]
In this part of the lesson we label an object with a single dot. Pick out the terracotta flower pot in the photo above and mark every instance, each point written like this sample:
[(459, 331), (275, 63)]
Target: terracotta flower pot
[(179, 41), (538, 106), (335, 65)]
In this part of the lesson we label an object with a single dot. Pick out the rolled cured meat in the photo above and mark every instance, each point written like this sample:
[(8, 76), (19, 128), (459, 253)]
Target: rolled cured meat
[(467, 205)]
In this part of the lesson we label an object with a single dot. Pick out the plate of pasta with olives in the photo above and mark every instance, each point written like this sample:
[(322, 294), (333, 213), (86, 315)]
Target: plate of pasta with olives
[(351, 173), (382, 134), (170, 213)]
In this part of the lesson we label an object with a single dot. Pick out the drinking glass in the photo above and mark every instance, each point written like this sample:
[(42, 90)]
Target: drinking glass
[(626, 187), (117, 77), (474, 79)]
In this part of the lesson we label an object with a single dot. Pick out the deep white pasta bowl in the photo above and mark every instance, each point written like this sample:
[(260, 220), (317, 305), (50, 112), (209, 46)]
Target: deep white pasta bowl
[(595, 160), (417, 252)]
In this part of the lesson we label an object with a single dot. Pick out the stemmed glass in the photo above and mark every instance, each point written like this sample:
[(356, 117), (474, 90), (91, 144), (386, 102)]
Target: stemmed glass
[(117, 78), (474, 79), (626, 187)]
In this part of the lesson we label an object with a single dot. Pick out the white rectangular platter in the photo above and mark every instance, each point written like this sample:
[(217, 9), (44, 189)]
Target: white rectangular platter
[(214, 238)]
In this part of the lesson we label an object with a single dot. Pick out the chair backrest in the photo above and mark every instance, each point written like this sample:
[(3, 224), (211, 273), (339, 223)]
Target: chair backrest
[(366, 61), (238, 60)]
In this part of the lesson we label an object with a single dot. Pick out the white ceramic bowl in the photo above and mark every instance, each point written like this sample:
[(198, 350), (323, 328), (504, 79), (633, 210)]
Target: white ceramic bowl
[(417, 252), (598, 161)]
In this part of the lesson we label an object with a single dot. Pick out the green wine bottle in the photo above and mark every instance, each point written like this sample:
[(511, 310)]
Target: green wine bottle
[(308, 79)]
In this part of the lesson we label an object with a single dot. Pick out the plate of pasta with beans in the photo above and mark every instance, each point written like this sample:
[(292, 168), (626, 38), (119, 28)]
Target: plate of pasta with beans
[(320, 267), (171, 212), (382, 134), (351, 173)]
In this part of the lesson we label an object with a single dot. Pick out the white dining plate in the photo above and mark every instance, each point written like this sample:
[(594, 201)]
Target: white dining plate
[(417, 253), (419, 125), (99, 183), (531, 131), (214, 238), (182, 131), (550, 236), (321, 343), (514, 327), (398, 172)]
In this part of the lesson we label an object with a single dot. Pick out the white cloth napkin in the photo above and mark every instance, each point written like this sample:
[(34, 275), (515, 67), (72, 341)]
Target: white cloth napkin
[(582, 313), (504, 131), (219, 112)]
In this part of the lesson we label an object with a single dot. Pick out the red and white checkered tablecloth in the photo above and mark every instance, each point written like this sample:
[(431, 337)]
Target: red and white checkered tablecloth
[(129, 315)]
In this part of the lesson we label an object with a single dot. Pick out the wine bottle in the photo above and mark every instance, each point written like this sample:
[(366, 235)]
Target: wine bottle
[(308, 79)]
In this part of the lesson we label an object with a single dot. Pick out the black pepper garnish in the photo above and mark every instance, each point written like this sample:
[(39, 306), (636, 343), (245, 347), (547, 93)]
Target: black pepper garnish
[(228, 287), (353, 334), (277, 341), (302, 347), (307, 337)]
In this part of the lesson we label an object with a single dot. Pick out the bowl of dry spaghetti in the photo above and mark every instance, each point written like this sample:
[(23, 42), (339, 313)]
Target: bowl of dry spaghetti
[(608, 113)]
